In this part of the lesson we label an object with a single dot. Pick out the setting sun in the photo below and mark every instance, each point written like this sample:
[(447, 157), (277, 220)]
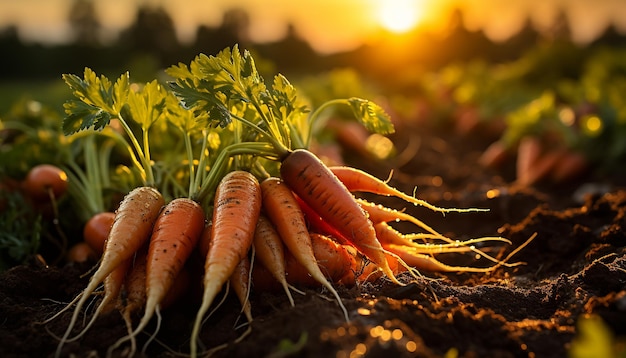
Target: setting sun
[(400, 15)]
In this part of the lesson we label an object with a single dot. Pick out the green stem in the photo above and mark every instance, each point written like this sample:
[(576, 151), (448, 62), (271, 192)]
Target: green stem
[(135, 144), (146, 158), (210, 182), (313, 118), (192, 182)]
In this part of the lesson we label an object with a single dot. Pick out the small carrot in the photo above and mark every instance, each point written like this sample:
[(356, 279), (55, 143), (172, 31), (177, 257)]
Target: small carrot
[(237, 205), (134, 293), (270, 251), (312, 181), (495, 155), (335, 260), (357, 180), (175, 234), (529, 150), (113, 284), (541, 168), (282, 209), (131, 229), (240, 282)]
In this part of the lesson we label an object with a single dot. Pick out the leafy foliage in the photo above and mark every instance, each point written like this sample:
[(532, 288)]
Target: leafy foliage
[(21, 230)]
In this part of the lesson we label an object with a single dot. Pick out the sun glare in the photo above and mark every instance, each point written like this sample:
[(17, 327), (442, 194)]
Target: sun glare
[(399, 15)]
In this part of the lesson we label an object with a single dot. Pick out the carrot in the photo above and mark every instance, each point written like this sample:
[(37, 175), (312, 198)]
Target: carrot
[(495, 155), (312, 181), (357, 180), (112, 287), (240, 282), (317, 224), (529, 150), (541, 168), (97, 229), (132, 227), (335, 260), (237, 205), (175, 234), (134, 297), (270, 251), (282, 209)]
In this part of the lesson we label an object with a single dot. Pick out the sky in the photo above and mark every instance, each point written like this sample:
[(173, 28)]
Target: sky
[(329, 25)]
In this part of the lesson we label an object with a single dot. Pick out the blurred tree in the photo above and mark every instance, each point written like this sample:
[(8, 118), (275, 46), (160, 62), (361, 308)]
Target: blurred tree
[(233, 30), (84, 23), (152, 33)]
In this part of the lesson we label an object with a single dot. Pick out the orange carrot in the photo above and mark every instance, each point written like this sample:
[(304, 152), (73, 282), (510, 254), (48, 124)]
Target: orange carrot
[(528, 151), (134, 297), (312, 181), (270, 251), (334, 259), (175, 234), (131, 229), (240, 282), (495, 155), (357, 180), (541, 168), (237, 205), (282, 209), (113, 284), (317, 224)]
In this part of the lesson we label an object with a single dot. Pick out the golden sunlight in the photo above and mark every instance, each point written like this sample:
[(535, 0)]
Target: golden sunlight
[(400, 15)]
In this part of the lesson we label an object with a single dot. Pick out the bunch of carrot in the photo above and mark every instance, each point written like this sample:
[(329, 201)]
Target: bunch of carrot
[(254, 192)]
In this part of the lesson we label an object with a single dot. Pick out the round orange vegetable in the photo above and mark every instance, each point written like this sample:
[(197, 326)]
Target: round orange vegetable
[(97, 229), (45, 179)]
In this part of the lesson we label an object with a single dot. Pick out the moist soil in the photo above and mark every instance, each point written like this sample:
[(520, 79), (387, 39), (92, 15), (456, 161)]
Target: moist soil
[(574, 267)]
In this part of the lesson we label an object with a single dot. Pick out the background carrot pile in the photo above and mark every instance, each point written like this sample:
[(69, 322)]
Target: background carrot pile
[(215, 179)]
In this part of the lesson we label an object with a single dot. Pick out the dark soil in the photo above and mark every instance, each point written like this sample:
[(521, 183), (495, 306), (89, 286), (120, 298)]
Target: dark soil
[(576, 265)]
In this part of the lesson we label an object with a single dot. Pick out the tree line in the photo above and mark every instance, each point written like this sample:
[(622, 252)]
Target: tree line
[(150, 43)]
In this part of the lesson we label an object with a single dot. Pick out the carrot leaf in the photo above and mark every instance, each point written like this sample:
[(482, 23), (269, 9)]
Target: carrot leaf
[(98, 101), (371, 115)]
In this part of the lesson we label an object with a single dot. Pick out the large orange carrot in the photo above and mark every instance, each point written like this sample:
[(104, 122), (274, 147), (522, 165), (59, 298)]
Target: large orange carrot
[(312, 181), (175, 234), (283, 210), (357, 180), (317, 224), (237, 205), (132, 227), (270, 251)]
